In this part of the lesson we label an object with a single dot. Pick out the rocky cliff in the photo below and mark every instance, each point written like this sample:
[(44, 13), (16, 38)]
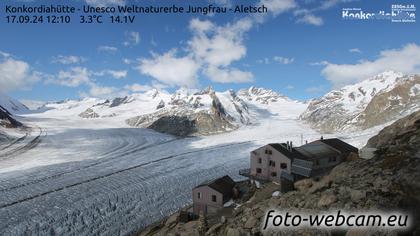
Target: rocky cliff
[(389, 181), (7, 120)]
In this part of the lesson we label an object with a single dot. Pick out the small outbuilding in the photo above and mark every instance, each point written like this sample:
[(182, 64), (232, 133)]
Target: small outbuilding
[(210, 196)]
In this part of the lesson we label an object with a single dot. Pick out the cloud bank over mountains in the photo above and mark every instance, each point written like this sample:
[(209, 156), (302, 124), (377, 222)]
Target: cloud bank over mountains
[(405, 60)]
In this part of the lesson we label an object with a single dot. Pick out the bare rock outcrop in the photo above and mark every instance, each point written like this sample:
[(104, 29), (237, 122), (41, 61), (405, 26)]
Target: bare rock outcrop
[(7, 120), (89, 113)]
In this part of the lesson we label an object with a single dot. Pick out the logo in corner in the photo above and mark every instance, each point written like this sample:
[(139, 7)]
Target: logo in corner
[(399, 13)]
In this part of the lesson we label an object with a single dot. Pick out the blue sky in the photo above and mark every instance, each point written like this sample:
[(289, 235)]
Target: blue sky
[(301, 49)]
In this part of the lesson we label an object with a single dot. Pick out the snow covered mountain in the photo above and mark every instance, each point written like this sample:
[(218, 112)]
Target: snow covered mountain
[(185, 112), (182, 113), (261, 95), (374, 101), (13, 106)]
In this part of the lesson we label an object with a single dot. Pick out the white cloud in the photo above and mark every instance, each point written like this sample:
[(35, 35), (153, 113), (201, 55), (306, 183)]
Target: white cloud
[(74, 77), (290, 87), (283, 60), (108, 49), (103, 3), (331, 3), (66, 60), (117, 74), (133, 38), (102, 91), (201, 26), (278, 6), (170, 69), (77, 76), (138, 87), (319, 63), (263, 61), (16, 74), (228, 75), (211, 51), (277, 59), (127, 61), (355, 50), (308, 16), (4, 54), (405, 59), (218, 46), (311, 19)]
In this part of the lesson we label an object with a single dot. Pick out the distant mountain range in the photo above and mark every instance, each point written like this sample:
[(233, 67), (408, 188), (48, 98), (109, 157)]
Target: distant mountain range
[(374, 101), (184, 113)]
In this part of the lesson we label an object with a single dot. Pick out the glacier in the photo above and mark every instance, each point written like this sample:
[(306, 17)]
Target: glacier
[(67, 175)]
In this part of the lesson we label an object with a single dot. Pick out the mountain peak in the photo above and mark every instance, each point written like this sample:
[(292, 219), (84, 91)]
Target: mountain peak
[(261, 95), (12, 105), (390, 74)]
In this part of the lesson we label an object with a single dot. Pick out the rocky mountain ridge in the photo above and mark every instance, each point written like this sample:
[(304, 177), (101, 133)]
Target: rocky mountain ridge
[(201, 113), (374, 101), (184, 112), (7, 120)]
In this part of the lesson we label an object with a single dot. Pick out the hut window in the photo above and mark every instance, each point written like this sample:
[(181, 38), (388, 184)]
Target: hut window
[(213, 198), (259, 170), (268, 151), (274, 174), (199, 195), (272, 163), (259, 160), (283, 165)]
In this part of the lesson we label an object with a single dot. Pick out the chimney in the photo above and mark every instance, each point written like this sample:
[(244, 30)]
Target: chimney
[(322, 137), (287, 145), (306, 141), (291, 145)]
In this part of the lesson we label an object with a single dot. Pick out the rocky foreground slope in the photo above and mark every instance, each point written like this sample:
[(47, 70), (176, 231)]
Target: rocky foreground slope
[(374, 101), (389, 181)]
